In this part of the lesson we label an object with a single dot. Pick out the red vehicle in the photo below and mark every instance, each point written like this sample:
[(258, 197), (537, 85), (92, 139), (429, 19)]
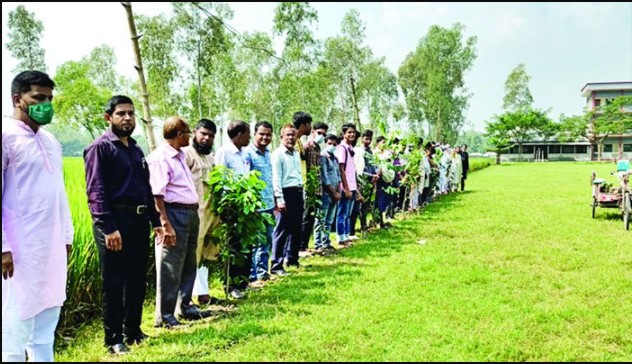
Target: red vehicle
[(606, 196)]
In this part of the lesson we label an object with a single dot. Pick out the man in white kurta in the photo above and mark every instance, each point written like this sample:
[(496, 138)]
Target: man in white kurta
[(36, 224)]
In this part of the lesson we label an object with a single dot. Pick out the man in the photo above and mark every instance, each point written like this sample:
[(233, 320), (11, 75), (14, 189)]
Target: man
[(302, 122), (367, 177), (176, 199), (312, 164), (465, 158), (258, 156), (37, 229), (344, 154), (288, 194), (233, 156), (200, 160), (121, 204), (330, 174)]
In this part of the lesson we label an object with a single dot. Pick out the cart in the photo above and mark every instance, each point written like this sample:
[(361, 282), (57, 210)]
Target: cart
[(619, 197)]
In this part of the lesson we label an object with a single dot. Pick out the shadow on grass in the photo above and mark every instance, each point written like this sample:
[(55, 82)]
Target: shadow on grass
[(315, 284)]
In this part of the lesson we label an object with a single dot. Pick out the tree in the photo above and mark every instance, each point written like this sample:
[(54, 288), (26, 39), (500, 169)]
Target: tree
[(521, 126), (157, 45), (517, 93), (84, 88), (476, 141), (498, 140), (613, 118), (596, 125), (25, 32), (202, 37), (432, 79)]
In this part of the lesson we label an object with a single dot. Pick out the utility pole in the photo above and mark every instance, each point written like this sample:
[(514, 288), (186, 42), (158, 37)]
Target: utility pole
[(149, 129)]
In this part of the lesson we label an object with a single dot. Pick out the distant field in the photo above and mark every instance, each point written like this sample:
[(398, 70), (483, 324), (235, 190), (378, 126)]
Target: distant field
[(514, 269)]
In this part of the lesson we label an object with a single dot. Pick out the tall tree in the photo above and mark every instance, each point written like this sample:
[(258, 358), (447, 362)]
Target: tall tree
[(432, 79), (202, 36), (157, 46), (294, 75), (522, 126), (25, 32), (517, 93)]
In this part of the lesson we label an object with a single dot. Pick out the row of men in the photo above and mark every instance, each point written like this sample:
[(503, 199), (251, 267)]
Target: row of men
[(127, 195)]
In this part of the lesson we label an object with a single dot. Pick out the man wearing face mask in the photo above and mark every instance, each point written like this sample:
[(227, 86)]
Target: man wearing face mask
[(37, 229), (330, 176), (200, 160), (312, 150), (121, 204)]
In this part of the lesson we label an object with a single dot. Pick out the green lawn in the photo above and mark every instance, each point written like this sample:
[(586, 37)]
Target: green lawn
[(514, 269)]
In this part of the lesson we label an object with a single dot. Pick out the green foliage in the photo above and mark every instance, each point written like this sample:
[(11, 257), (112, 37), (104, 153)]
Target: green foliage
[(313, 181), (84, 88), (237, 201), (432, 79), (24, 36), (157, 46), (517, 94), (476, 141), (517, 127)]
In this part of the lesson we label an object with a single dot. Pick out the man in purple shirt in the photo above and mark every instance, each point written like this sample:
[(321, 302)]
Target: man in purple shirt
[(122, 206), (176, 199)]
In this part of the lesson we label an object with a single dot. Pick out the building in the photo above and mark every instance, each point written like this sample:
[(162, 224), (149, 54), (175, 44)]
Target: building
[(616, 147)]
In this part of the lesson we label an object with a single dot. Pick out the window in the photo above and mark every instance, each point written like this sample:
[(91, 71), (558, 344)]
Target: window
[(607, 148), (627, 148), (609, 101), (513, 150), (597, 103), (527, 149), (568, 149), (581, 149), (554, 149)]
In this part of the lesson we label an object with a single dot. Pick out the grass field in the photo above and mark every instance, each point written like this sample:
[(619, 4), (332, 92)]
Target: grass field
[(514, 269)]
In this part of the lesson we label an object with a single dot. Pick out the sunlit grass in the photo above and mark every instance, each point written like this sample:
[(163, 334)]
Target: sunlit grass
[(514, 269)]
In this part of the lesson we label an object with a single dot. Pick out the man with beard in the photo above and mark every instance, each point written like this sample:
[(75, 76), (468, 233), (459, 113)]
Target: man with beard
[(122, 206), (200, 159)]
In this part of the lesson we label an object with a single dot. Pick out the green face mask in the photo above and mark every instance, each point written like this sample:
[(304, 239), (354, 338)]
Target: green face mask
[(41, 113)]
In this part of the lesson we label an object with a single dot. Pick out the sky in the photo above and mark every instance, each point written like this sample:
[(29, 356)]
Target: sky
[(563, 45)]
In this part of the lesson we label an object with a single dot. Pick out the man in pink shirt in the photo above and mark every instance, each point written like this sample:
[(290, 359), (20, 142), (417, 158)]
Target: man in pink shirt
[(37, 230), (177, 202)]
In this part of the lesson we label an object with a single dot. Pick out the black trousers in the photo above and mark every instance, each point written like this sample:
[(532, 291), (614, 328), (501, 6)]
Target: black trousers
[(309, 219), (463, 180), (286, 239), (124, 276), (239, 266)]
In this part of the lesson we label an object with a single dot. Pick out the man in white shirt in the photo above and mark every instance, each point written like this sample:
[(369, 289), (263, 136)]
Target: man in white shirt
[(233, 156), (288, 193)]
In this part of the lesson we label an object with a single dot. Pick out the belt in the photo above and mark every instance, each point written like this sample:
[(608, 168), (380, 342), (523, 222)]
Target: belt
[(187, 206), (139, 210), (293, 188)]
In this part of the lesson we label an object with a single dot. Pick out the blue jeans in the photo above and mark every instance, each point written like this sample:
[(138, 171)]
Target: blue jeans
[(261, 252), (343, 228), (324, 218)]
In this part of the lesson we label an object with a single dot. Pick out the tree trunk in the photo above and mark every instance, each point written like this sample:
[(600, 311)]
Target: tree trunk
[(355, 104), (199, 82), (149, 130), (497, 157)]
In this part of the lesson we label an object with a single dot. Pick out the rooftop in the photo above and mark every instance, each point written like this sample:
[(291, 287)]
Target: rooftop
[(605, 86)]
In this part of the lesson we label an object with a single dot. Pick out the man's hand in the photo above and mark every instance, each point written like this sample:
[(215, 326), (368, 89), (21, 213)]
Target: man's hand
[(282, 208), (7, 265), (375, 179), (359, 197), (348, 194), (160, 233), (168, 236), (114, 241), (309, 144), (337, 196)]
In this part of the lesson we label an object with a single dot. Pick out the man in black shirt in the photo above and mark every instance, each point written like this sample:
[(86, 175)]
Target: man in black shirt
[(122, 206)]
